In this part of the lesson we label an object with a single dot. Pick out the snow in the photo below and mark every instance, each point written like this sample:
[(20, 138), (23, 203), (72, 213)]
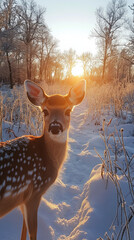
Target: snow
[(80, 205)]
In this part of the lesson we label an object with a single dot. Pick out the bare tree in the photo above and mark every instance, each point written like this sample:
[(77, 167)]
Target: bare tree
[(50, 45), (26, 46), (107, 28), (124, 66), (41, 50), (8, 30), (69, 59), (130, 46), (86, 60), (31, 19)]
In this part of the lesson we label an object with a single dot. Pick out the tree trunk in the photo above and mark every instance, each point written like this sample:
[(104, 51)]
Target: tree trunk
[(10, 70), (41, 62), (28, 61), (104, 63)]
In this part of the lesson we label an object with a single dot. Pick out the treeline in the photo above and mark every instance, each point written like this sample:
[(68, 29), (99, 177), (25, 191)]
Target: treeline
[(114, 32), (28, 49)]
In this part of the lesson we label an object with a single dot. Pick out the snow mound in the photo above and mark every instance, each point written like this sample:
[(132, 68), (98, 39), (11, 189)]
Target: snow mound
[(97, 208)]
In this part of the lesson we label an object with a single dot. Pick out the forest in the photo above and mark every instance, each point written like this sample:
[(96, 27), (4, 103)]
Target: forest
[(29, 51)]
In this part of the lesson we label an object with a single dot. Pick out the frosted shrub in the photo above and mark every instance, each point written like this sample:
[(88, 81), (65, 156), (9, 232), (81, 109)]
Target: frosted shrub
[(116, 169), (111, 98), (16, 111)]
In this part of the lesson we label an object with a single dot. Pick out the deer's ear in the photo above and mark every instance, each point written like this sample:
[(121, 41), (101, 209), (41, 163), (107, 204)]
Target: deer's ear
[(35, 93), (77, 92)]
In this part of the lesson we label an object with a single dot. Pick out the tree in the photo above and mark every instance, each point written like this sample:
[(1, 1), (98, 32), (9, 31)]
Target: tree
[(107, 29), (41, 50), (69, 59), (32, 21), (49, 46), (86, 60), (27, 48), (8, 30), (124, 66), (130, 45)]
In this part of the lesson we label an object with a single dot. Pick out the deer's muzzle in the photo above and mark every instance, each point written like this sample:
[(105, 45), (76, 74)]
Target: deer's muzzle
[(55, 127)]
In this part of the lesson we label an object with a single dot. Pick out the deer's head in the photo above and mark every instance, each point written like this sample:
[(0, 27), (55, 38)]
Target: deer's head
[(56, 108)]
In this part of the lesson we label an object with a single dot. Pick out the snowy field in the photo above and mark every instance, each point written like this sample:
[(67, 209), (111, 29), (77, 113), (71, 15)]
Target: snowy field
[(81, 205)]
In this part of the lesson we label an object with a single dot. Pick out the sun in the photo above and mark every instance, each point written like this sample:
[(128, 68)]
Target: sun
[(77, 70)]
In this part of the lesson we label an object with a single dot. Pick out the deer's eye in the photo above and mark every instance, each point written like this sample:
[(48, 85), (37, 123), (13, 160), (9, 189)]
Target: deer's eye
[(67, 112), (46, 113)]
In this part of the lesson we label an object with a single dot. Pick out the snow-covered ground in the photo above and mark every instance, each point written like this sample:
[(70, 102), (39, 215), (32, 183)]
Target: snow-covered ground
[(78, 206)]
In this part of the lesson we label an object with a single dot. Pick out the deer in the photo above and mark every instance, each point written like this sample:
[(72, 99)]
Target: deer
[(29, 165)]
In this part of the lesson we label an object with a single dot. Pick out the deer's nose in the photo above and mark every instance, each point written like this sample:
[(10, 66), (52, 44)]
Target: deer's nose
[(55, 127)]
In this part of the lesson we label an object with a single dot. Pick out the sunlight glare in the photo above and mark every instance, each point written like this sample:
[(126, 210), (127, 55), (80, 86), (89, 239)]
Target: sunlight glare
[(77, 70)]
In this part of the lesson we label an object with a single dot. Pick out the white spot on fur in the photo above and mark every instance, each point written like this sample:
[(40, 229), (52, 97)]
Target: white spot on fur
[(8, 178), (11, 154), (23, 177), (21, 168), (7, 194), (8, 164), (39, 178), (14, 179), (49, 179), (28, 181), (18, 179), (30, 172), (8, 188), (6, 156), (34, 177), (3, 184), (44, 169), (22, 189)]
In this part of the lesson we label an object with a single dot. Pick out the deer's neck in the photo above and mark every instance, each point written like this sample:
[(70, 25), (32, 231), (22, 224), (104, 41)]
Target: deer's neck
[(56, 150)]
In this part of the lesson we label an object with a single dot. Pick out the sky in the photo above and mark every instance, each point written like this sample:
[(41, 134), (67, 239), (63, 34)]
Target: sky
[(72, 21)]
